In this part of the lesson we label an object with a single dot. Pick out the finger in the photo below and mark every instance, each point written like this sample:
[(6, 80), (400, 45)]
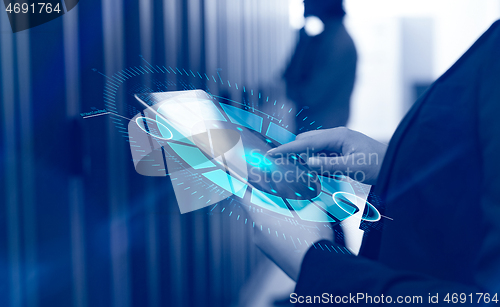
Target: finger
[(333, 165), (343, 165), (311, 133), (295, 147), (326, 140), (307, 147)]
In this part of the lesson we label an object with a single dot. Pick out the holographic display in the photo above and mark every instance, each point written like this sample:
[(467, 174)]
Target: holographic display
[(194, 137), (212, 146)]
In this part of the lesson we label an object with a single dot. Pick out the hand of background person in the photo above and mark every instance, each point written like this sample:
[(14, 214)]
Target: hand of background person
[(338, 151)]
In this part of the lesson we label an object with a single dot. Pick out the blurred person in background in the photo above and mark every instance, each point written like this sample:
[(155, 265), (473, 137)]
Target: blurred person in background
[(320, 76)]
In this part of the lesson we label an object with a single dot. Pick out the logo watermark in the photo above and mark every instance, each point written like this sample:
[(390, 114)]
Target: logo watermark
[(26, 14)]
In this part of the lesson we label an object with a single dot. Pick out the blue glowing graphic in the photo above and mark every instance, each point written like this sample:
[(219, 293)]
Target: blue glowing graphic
[(280, 134), (346, 201), (332, 185), (166, 129), (192, 156), (189, 109), (257, 159), (202, 149), (154, 128), (270, 202), (227, 182), (325, 202), (242, 117), (307, 211)]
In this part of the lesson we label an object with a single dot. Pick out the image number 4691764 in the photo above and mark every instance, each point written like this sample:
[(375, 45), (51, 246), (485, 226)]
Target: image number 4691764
[(26, 14)]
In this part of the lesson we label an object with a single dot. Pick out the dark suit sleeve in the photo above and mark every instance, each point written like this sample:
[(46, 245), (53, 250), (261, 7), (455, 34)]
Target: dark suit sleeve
[(344, 275), (489, 137), (347, 275)]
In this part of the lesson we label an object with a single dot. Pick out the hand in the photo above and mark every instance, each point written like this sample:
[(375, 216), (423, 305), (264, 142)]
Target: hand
[(285, 243), (338, 151)]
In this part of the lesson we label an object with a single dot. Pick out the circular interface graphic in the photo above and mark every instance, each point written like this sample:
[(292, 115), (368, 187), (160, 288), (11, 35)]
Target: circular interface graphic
[(154, 128), (285, 176), (347, 201), (225, 146)]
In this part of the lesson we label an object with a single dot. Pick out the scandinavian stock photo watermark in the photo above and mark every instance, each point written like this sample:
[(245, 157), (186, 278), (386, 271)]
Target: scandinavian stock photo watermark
[(284, 167)]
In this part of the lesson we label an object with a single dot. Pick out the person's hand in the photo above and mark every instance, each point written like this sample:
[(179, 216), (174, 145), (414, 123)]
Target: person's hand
[(338, 151), (285, 243)]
